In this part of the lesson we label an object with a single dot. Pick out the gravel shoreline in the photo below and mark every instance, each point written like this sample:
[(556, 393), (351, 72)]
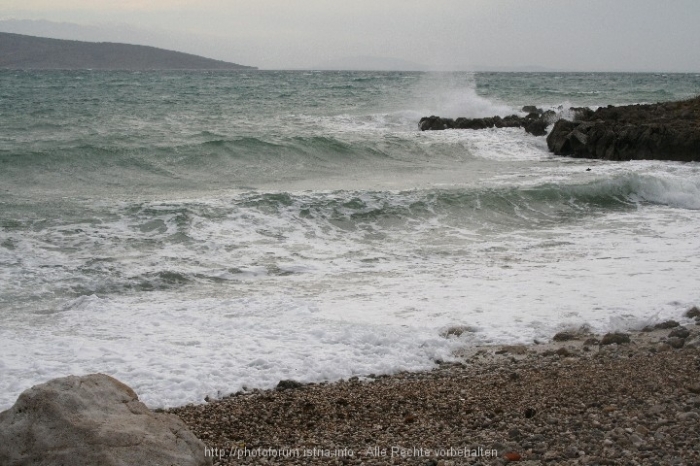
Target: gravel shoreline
[(581, 399)]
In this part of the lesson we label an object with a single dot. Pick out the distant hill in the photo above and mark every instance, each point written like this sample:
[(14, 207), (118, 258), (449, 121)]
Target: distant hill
[(38, 53)]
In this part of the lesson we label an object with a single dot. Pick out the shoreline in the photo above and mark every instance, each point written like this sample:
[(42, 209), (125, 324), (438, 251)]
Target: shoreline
[(574, 400)]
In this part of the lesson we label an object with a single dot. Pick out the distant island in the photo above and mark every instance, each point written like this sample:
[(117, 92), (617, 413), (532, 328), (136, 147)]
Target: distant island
[(38, 53)]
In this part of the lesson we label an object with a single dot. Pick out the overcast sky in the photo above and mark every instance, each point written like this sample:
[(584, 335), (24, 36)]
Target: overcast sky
[(590, 35)]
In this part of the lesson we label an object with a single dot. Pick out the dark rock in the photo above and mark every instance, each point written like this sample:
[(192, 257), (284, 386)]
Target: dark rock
[(676, 343), (435, 123), (666, 325), (617, 338), (692, 312), (532, 109), (565, 336), (591, 342), (514, 121), (288, 385), (558, 141), (537, 127), (680, 332), (530, 413), (581, 113), (477, 123), (534, 123), (668, 131), (550, 115)]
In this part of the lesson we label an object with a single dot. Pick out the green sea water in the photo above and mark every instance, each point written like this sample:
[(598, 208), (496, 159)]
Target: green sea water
[(154, 132)]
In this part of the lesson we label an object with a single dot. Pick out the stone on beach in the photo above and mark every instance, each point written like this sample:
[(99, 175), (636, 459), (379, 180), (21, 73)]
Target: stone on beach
[(675, 342), (289, 385), (615, 338), (666, 325), (92, 420), (680, 332), (693, 312), (565, 336)]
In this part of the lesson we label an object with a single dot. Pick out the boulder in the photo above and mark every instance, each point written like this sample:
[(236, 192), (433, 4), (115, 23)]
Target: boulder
[(581, 113), (676, 343), (692, 312), (532, 109), (667, 324), (435, 123), (537, 127), (565, 336), (93, 420), (288, 385), (615, 338), (680, 332)]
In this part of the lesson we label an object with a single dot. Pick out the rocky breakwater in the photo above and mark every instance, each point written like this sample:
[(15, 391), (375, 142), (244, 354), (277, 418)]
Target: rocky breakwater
[(535, 122), (93, 420), (662, 131)]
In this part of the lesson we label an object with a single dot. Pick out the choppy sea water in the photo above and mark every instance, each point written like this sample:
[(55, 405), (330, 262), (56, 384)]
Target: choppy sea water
[(195, 233)]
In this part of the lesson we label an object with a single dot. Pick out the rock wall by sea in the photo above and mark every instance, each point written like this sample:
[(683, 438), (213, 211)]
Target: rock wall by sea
[(662, 131)]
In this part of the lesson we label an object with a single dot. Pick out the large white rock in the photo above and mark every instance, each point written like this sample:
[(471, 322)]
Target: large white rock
[(92, 420)]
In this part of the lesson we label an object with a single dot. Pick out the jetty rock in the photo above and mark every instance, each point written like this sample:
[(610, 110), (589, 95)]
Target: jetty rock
[(535, 122), (93, 420), (662, 131)]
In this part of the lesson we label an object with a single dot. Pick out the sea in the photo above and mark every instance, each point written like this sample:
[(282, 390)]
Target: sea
[(194, 234)]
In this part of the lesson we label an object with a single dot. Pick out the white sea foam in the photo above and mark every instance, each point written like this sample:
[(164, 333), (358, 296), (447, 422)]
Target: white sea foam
[(503, 144), (174, 351), (299, 299)]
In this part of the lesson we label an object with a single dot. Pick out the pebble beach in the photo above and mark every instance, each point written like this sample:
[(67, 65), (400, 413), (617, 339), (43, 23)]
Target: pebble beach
[(621, 398)]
